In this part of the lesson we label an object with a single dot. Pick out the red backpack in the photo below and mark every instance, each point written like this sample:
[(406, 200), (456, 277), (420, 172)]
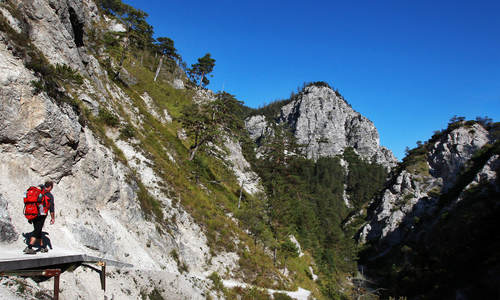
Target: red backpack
[(35, 196)]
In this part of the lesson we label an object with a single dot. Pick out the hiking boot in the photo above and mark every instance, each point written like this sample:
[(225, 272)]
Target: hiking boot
[(29, 251), (44, 250)]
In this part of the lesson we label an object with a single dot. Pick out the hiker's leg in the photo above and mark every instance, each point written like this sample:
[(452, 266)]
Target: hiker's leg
[(37, 232)]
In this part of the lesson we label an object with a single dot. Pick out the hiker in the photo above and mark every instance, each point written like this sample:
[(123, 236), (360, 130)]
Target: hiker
[(40, 220)]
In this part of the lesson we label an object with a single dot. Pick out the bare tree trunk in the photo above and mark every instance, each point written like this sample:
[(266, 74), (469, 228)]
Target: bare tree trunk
[(159, 67), (241, 192), (201, 78), (195, 148), (274, 259), (275, 250)]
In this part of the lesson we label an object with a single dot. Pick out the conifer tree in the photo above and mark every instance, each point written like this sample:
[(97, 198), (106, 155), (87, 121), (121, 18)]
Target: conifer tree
[(166, 48), (202, 68), (139, 32), (288, 249), (207, 121)]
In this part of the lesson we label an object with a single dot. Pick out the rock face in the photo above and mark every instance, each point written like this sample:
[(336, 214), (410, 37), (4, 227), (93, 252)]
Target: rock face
[(57, 28), (438, 215), (327, 125), (97, 207), (412, 195), (450, 155)]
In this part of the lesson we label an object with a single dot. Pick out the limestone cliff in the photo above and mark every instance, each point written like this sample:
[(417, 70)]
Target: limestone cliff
[(436, 221), (97, 206), (415, 191), (326, 124)]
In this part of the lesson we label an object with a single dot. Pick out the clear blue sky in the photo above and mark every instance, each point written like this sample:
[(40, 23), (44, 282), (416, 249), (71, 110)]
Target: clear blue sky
[(408, 66)]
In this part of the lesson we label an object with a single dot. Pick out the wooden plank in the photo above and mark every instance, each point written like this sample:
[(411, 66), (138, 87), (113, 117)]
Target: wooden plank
[(32, 262)]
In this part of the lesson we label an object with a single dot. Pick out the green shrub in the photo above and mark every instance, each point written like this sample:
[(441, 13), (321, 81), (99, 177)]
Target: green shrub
[(128, 131), (149, 204), (217, 282), (434, 193), (281, 296), (68, 75), (107, 117)]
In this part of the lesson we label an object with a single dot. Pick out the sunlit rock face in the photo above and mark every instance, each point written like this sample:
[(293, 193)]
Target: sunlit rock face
[(451, 153), (413, 195), (327, 125)]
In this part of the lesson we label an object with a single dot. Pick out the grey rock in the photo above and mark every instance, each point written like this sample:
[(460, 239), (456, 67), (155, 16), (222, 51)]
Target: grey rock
[(57, 28), (178, 84), (126, 78), (410, 196), (488, 174), (13, 22), (114, 25), (8, 232), (90, 238), (452, 151), (257, 128), (327, 125)]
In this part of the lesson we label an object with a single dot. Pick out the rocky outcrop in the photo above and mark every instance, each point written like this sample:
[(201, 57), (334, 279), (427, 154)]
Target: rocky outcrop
[(487, 174), (96, 202), (327, 125), (8, 232), (247, 179), (412, 195), (435, 222), (449, 155), (58, 29)]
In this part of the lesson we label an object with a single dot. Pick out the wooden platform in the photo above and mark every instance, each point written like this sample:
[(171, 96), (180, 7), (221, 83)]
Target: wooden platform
[(17, 260)]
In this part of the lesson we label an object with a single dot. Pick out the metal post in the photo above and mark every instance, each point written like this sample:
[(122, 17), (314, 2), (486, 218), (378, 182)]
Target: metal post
[(56, 287), (102, 264), (54, 273)]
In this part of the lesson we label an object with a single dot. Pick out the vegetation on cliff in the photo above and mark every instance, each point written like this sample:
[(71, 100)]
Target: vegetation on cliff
[(455, 247), (289, 207)]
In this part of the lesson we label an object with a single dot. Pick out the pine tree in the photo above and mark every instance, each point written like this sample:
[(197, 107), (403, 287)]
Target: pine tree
[(206, 122)]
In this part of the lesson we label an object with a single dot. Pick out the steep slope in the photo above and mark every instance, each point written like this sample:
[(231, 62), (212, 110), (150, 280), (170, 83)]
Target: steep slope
[(112, 199), (431, 223), (327, 125), (416, 191)]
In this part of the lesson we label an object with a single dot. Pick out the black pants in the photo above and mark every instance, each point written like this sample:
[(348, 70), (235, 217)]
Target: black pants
[(38, 225)]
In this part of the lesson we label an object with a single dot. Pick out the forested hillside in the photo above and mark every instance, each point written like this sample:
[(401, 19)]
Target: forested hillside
[(118, 114)]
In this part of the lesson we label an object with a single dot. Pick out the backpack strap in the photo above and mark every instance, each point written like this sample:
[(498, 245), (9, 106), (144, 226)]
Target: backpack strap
[(45, 201)]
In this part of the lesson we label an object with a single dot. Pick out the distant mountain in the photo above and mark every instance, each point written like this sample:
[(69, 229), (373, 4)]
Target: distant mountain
[(326, 124)]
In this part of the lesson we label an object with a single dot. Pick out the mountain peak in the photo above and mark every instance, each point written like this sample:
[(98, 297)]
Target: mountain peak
[(323, 121)]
